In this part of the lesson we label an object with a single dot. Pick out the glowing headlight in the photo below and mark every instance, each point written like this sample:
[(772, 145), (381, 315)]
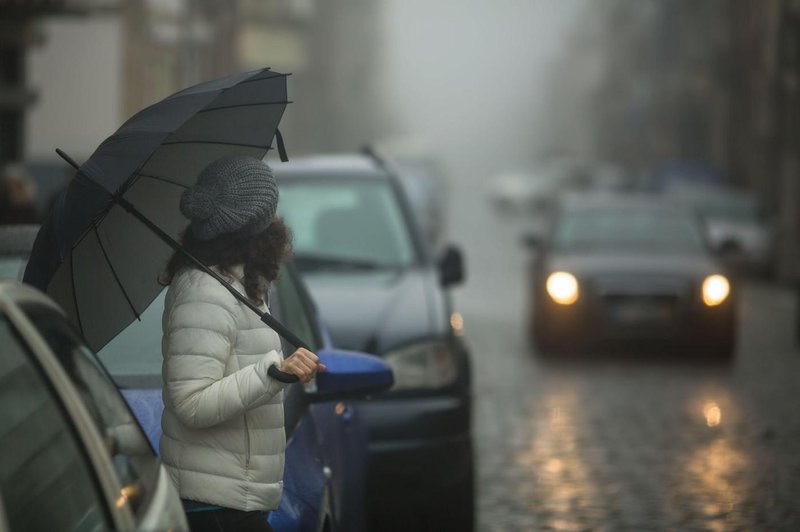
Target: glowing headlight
[(425, 365), (716, 289), (563, 288)]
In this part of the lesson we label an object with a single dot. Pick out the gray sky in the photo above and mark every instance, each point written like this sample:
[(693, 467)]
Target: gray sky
[(468, 76)]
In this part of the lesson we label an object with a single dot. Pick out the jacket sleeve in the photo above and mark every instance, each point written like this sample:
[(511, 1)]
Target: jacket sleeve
[(197, 346)]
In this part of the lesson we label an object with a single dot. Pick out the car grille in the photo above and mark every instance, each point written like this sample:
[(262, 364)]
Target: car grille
[(636, 301)]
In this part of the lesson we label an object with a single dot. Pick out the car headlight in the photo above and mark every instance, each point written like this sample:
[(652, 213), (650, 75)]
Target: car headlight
[(716, 289), (562, 287), (423, 365)]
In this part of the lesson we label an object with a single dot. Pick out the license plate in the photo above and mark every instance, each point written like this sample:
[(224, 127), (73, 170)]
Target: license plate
[(640, 311)]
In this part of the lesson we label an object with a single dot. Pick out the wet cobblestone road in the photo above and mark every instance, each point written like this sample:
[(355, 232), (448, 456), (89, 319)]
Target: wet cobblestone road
[(640, 442)]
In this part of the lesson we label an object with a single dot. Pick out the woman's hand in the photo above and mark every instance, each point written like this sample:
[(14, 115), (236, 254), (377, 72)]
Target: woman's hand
[(304, 364)]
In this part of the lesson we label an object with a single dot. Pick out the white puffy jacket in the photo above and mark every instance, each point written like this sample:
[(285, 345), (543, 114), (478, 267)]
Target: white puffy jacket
[(223, 436)]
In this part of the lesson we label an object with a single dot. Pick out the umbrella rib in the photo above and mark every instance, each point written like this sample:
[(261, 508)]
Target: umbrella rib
[(254, 78), (235, 106), (165, 180), (74, 293), (114, 272), (221, 143)]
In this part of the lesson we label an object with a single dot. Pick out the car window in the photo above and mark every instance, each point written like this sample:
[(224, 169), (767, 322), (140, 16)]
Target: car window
[(127, 446), (46, 481), (345, 224), (12, 267), (290, 305), (628, 230), (295, 310)]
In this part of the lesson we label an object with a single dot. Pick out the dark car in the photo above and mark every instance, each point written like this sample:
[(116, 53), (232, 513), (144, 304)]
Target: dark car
[(629, 268), (325, 472), (380, 290)]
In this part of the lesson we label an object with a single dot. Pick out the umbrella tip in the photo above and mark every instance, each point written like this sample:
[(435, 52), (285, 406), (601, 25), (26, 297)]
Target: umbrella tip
[(67, 158)]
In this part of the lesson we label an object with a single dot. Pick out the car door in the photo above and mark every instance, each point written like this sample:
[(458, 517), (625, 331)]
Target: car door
[(142, 484), (305, 503), (332, 428), (48, 478)]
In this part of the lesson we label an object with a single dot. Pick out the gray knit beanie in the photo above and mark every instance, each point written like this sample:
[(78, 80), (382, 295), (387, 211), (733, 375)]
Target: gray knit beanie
[(234, 196)]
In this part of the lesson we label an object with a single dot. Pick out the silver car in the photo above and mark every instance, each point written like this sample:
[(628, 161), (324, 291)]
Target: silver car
[(74, 458), (736, 227)]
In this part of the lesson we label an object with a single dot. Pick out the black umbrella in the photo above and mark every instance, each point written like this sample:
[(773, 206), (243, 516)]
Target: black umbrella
[(109, 235)]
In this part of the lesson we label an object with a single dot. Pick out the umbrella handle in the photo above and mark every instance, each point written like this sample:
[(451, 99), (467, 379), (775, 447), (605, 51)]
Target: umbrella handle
[(282, 376)]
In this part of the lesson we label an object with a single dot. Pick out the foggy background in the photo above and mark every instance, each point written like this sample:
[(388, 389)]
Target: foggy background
[(499, 95), (483, 87)]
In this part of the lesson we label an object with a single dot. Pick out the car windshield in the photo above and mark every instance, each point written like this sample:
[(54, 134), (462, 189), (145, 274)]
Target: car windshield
[(627, 230), (345, 224)]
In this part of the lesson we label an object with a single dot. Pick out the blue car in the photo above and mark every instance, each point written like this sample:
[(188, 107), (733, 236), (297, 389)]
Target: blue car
[(324, 479)]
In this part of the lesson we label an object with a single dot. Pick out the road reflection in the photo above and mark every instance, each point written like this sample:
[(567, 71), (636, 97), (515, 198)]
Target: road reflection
[(564, 495), (712, 478)]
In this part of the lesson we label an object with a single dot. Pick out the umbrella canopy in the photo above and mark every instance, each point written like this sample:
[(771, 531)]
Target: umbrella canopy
[(96, 259)]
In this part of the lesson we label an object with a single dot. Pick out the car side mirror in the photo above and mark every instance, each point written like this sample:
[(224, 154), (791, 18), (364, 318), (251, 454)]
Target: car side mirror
[(451, 267), (350, 375)]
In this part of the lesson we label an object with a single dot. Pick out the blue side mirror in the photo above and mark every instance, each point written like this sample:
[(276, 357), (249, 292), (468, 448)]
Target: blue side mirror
[(351, 375)]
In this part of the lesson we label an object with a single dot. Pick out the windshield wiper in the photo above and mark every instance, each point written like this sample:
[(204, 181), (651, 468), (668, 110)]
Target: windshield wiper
[(310, 261)]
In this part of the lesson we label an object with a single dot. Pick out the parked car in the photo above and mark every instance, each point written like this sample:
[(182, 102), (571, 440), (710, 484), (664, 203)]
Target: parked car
[(513, 193), (736, 226), (629, 267), (325, 468), (74, 457), (423, 177), (361, 254), (16, 242)]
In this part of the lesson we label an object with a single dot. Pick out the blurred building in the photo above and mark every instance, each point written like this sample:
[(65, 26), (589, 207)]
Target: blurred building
[(56, 84), (173, 44), (21, 31), (71, 71)]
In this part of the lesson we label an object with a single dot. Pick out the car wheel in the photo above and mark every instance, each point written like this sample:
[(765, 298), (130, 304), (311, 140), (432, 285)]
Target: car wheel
[(541, 340), (544, 344), (721, 347), (451, 509), (455, 509), (725, 349)]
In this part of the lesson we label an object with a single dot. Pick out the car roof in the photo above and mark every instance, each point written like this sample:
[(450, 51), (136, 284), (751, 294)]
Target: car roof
[(335, 166), (17, 239)]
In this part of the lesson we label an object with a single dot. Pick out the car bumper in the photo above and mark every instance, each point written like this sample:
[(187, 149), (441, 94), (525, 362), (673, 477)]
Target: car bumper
[(678, 322), (414, 439)]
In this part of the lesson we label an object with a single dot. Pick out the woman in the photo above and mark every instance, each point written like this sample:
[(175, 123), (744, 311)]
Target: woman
[(223, 436)]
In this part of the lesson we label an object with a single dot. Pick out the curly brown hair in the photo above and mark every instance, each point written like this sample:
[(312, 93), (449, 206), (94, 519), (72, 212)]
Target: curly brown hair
[(260, 254)]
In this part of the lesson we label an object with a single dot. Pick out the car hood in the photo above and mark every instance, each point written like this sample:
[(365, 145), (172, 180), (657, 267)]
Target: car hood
[(376, 311), (605, 264)]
